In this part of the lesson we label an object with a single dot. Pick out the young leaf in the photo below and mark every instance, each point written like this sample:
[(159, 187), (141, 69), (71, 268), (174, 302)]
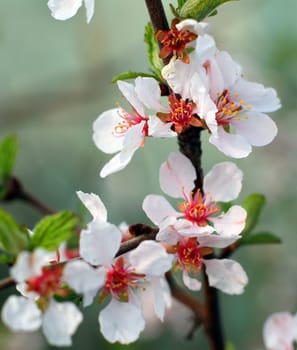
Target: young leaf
[(199, 9), (133, 75), (253, 204), (229, 346), (153, 49), (52, 230), (261, 238), (8, 152), (180, 3), (13, 238)]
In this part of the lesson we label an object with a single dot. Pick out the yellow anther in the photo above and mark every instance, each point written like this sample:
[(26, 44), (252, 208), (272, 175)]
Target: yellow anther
[(241, 102), (248, 107)]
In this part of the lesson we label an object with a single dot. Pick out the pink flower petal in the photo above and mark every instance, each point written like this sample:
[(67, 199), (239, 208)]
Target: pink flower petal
[(177, 175)]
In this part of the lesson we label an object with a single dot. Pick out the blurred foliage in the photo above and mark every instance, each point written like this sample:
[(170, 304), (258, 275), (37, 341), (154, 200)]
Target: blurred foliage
[(56, 79)]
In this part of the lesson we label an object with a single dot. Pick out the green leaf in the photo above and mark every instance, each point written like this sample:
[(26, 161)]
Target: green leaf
[(229, 346), (13, 238), (253, 204), (261, 238), (180, 3), (8, 152), (199, 9), (133, 75), (52, 230), (153, 50)]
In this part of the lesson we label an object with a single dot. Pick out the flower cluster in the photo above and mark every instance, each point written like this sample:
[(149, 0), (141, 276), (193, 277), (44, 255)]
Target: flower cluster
[(206, 90)]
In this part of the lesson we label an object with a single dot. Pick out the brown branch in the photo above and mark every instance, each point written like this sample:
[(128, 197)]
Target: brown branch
[(6, 283), (16, 191), (157, 14), (213, 324), (142, 232)]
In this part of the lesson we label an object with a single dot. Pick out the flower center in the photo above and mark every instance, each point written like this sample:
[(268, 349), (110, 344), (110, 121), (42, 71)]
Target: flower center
[(119, 279), (227, 108), (48, 283), (190, 255), (174, 42), (197, 209), (128, 120)]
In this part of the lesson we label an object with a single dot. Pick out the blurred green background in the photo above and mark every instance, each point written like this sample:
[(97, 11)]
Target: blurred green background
[(56, 79)]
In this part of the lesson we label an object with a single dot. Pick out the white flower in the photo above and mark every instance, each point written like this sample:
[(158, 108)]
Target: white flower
[(118, 130), (120, 277), (59, 321), (198, 212), (64, 9), (190, 231), (39, 281), (241, 121), (233, 108), (280, 331)]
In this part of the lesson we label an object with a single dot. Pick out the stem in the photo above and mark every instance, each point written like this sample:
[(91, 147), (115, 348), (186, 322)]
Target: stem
[(15, 190), (213, 324), (157, 14), (190, 145), (7, 282)]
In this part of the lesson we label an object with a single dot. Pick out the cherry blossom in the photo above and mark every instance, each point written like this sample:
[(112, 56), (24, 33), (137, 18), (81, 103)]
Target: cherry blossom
[(119, 278), (234, 109), (65, 9), (118, 130), (280, 331), (39, 282), (190, 231)]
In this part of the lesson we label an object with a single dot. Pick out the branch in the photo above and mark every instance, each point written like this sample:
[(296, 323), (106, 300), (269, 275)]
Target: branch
[(15, 191), (213, 325), (142, 232), (6, 283)]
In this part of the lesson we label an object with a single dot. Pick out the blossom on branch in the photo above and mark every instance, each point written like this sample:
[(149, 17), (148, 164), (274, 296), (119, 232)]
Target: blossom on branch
[(234, 109), (120, 278), (200, 223), (118, 130), (40, 282)]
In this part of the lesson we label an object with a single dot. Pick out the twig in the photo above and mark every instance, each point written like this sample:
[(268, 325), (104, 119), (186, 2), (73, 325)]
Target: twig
[(6, 283), (16, 191)]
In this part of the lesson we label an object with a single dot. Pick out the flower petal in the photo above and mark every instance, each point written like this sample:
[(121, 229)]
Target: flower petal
[(278, 331), (149, 93), (84, 279), (157, 208), (193, 26), (62, 9), (226, 275), (232, 145), (257, 128), (134, 138), (261, 99), (94, 204), (159, 129), (121, 322), (60, 322), (21, 314), (191, 283), (129, 92), (231, 223), (90, 7), (223, 183), (104, 131), (30, 264), (99, 243), (177, 175), (150, 258), (162, 296)]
